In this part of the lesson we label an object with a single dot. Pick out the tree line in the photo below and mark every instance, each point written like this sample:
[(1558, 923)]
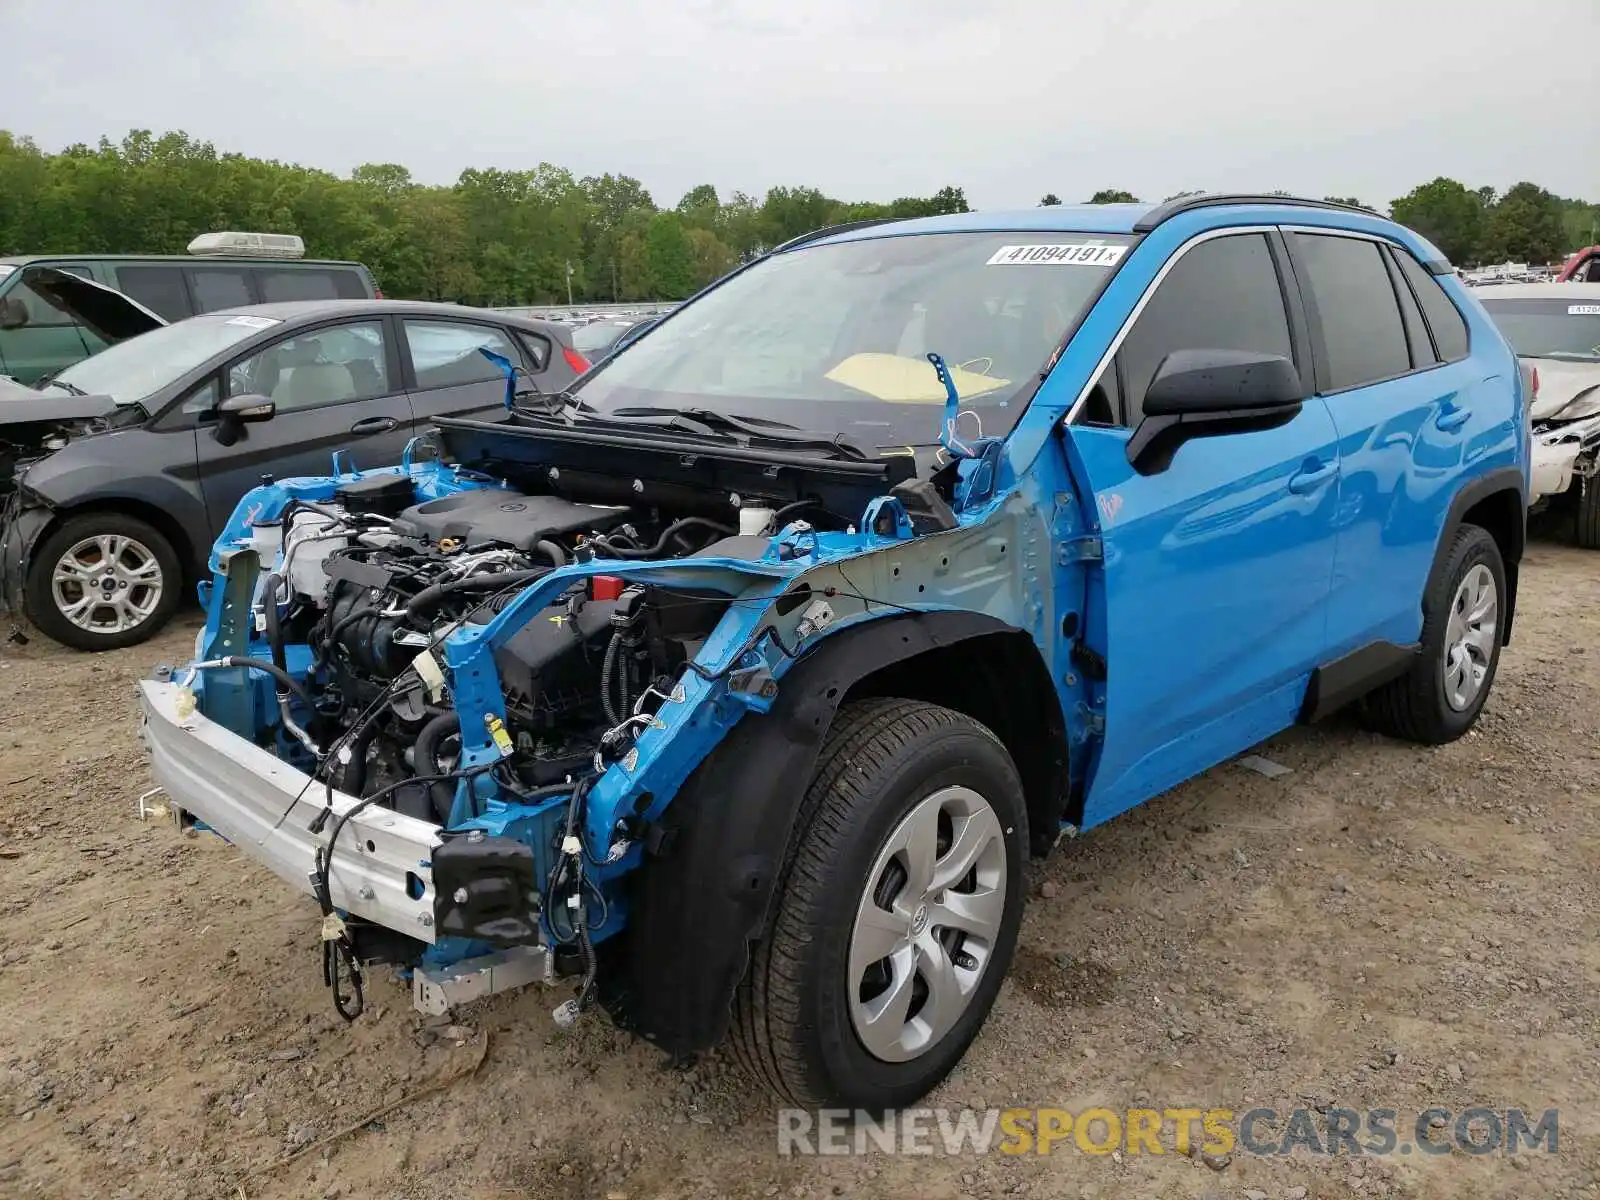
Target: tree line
[(499, 237)]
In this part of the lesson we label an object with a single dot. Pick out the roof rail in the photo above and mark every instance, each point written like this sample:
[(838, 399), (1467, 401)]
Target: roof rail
[(1183, 204), (830, 230)]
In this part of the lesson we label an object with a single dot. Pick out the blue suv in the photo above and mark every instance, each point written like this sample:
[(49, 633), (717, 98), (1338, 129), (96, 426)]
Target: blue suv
[(737, 684)]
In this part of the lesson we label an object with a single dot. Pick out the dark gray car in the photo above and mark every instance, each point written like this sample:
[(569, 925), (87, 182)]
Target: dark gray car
[(132, 461)]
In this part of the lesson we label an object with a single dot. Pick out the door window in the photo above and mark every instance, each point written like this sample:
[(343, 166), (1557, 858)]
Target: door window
[(322, 366), (217, 288), (1444, 318), (1223, 294), (286, 284), (1363, 338), (445, 353), (159, 288)]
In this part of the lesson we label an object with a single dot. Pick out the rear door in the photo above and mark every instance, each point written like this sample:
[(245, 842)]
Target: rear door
[(1400, 391), (448, 375), (335, 386), (1208, 602)]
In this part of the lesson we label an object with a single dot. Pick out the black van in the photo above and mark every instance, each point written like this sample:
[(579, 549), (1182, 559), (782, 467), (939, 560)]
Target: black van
[(222, 270)]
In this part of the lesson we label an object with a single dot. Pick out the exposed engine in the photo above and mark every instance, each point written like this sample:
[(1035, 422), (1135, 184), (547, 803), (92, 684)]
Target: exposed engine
[(371, 580)]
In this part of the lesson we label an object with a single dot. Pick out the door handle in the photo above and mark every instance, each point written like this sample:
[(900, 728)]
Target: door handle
[(375, 425), (1311, 478), (1451, 419)]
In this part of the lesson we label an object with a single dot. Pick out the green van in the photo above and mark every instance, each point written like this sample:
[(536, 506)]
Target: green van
[(222, 270)]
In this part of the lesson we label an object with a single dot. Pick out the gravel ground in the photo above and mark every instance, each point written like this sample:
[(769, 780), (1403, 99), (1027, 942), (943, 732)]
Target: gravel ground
[(1384, 927)]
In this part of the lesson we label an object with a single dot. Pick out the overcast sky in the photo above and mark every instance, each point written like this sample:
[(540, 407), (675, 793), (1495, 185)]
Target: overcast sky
[(866, 99)]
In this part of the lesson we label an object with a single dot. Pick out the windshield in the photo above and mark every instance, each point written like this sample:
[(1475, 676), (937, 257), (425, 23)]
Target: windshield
[(133, 370), (1549, 328), (835, 338)]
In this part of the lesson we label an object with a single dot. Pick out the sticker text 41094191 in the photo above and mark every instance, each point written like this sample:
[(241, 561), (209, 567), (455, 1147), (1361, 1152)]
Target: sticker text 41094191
[(1071, 254)]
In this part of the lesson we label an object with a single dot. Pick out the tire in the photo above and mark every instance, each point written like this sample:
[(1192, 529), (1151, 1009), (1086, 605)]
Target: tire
[(1589, 513), (144, 581), (887, 766), (1422, 705)]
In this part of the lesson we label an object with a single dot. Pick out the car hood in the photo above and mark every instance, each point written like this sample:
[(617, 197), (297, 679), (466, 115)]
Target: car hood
[(110, 314), (23, 406), (1560, 383)]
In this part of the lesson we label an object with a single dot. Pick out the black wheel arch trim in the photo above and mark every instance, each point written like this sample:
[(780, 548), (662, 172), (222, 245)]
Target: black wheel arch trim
[(696, 909), (1350, 676), (1475, 490)]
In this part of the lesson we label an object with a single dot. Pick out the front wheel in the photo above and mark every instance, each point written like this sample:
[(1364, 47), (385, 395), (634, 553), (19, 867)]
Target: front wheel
[(1589, 512), (897, 912), (102, 580)]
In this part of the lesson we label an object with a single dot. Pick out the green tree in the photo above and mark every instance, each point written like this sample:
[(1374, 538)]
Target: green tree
[(1448, 214), (1525, 226), (709, 257), (667, 253), (1349, 201), (1113, 196), (1050, 200)]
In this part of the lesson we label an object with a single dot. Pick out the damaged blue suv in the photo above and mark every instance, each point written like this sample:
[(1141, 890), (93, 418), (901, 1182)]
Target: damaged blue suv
[(734, 687)]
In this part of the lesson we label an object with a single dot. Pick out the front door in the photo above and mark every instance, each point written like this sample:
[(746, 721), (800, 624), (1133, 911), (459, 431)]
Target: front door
[(1210, 603), (334, 387)]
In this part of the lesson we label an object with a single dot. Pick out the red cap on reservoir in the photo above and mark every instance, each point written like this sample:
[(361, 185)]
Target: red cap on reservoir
[(605, 587)]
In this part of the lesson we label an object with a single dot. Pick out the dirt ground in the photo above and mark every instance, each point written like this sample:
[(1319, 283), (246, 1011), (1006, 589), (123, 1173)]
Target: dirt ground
[(1384, 927)]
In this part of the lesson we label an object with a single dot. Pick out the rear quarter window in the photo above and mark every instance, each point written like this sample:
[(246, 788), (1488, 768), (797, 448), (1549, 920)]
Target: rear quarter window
[(1445, 322)]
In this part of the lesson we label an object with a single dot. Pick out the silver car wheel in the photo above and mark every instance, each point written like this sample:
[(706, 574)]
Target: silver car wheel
[(1469, 638), (927, 924), (107, 584)]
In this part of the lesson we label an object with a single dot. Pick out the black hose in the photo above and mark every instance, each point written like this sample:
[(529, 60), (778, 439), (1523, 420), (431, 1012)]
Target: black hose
[(551, 551), (425, 756), (667, 535), (277, 672), (433, 595), (351, 776), (269, 608)]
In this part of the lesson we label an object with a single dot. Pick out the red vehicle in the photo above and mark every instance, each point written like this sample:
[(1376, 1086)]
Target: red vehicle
[(1582, 267)]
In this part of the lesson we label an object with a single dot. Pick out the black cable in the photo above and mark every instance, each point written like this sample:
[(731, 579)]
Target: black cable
[(431, 596), (269, 611), (607, 669), (667, 535), (277, 672)]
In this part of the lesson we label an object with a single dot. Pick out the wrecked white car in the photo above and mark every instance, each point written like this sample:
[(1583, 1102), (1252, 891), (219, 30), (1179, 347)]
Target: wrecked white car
[(1555, 330)]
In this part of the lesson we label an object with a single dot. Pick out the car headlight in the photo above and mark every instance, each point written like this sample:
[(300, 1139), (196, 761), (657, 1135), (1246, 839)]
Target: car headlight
[(1585, 404)]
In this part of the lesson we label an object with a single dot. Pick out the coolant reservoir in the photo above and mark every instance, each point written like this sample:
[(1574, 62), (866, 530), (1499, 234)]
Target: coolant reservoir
[(307, 545), (754, 521)]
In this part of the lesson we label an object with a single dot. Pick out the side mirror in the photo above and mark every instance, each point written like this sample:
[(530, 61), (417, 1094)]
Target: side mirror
[(13, 313), (234, 413), (1205, 393)]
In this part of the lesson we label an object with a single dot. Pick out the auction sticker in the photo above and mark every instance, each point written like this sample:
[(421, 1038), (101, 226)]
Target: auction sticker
[(255, 322), (1583, 310), (1060, 254)]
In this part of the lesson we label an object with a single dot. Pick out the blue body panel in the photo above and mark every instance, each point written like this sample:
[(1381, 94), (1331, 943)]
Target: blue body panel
[(1214, 590)]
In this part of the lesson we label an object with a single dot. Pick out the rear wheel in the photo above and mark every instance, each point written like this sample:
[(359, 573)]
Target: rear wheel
[(1440, 697), (1589, 513), (897, 913), (103, 580)]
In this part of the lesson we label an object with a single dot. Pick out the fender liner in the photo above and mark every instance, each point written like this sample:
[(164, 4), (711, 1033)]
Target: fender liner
[(1501, 479), (694, 911)]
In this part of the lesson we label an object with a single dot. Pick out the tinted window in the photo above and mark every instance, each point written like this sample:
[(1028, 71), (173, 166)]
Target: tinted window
[(216, 288), (1417, 338), (445, 354), (350, 285), (160, 289), (1444, 319), (323, 366), (78, 269), (1364, 340), (1222, 295), (41, 313), (282, 285)]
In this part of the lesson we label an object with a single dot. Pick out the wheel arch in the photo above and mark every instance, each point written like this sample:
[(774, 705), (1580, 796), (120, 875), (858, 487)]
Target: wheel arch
[(157, 518), (697, 906), (1496, 501)]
